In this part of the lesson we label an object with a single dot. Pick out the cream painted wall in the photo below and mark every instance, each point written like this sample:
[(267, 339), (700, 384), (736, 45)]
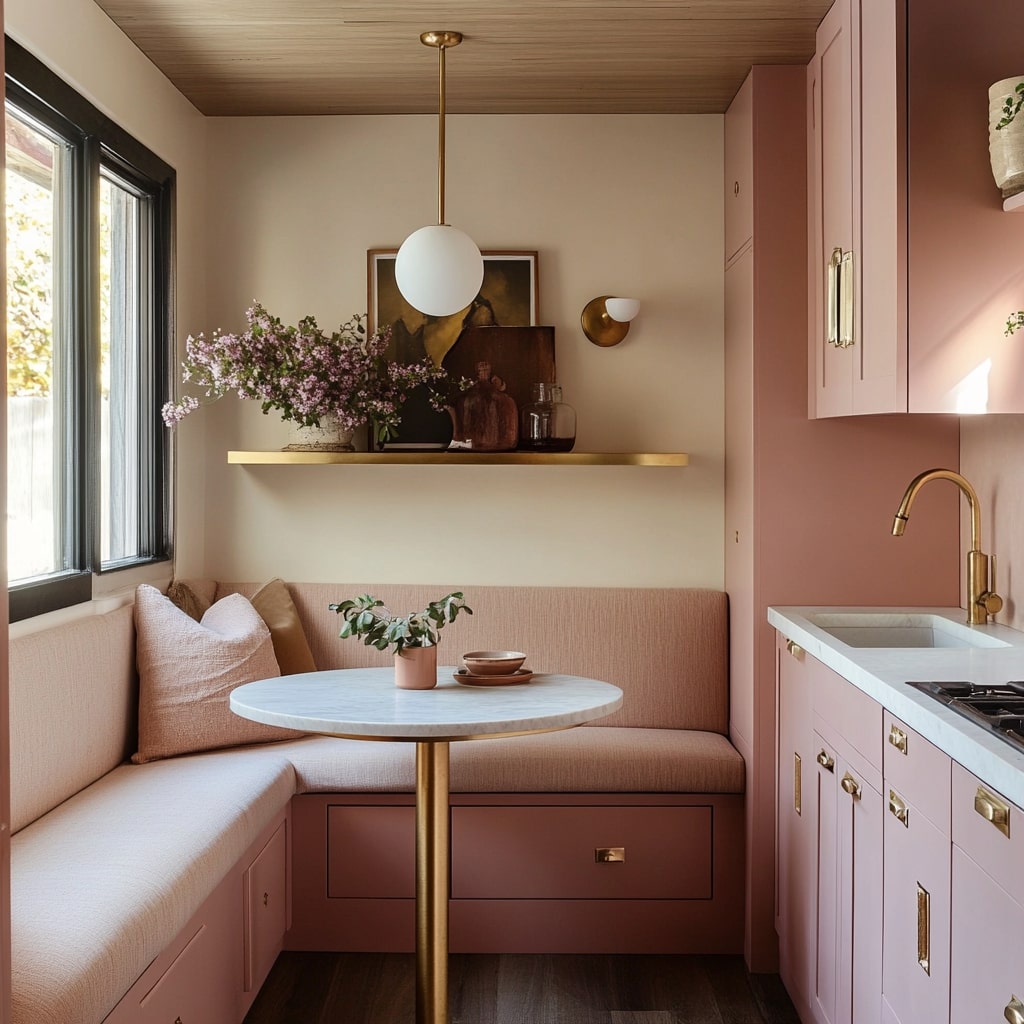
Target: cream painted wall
[(620, 204), (80, 43)]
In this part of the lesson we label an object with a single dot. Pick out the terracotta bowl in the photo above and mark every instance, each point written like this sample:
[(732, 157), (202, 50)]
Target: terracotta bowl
[(493, 663)]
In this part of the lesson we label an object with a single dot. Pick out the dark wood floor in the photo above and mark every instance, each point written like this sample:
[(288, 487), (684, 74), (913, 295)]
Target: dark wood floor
[(378, 988)]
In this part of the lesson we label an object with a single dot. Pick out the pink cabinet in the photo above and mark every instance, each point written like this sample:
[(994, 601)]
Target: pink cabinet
[(988, 948), (987, 982), (265, 909), (916, 855), (848, 758), (829, 839), (796, 782), (912, 264), (855, 362)]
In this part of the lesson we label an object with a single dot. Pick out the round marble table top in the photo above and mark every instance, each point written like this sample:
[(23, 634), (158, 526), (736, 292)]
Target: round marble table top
[(365, 703)]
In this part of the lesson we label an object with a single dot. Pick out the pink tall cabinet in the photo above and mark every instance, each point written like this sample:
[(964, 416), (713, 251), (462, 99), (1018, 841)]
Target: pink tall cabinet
[(914, 267), (808, 502)]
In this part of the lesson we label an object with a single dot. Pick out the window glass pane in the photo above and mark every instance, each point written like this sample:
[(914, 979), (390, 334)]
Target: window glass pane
[(125, 285), (38, 488)]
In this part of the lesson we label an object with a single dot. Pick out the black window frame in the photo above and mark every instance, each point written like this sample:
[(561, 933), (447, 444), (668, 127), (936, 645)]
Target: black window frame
[(97, 141)]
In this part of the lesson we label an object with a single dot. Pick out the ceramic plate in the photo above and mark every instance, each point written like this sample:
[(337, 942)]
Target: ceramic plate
[(467, 678)]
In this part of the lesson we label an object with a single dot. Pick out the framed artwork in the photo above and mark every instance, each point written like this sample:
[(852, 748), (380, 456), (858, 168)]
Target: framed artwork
[(508, 298)]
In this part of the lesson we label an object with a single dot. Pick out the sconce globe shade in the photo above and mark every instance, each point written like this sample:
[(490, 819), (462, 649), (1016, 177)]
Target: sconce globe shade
[(622, 310), (439, 270)]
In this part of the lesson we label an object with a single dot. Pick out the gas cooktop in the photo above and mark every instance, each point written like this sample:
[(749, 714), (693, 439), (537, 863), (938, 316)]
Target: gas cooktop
[(998, 707)]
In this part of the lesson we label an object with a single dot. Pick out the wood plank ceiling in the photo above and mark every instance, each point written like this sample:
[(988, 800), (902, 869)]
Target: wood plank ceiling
[(274, 57)]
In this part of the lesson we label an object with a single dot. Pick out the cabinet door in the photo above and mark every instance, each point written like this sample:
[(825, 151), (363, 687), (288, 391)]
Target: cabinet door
[(826, 946), (987, 983), (915, 971), (831, 149), (795, 781), (739, 171), (859, 954), (266, 894)]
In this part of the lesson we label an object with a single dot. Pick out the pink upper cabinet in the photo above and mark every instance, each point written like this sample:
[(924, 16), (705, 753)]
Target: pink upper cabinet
[(924, 279)]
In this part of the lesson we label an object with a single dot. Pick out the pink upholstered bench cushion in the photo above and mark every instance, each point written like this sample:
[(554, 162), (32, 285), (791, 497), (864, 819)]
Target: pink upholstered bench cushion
[(613, 760)]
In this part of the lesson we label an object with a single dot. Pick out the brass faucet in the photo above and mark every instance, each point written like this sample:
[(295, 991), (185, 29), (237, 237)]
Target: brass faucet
[(981, 601)]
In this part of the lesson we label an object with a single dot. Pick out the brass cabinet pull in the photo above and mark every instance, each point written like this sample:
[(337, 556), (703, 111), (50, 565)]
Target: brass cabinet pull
[(993, 810), (898, 738), (794, 648), (847, 304), (850, 785), (832, 297), (1014, 1011), (610, 855), (798, 782), (826, 762), (266, 899), (924, 939), (898, 809)]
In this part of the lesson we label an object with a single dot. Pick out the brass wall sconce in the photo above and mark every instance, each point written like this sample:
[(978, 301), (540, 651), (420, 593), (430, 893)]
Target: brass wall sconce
[(606, 319)]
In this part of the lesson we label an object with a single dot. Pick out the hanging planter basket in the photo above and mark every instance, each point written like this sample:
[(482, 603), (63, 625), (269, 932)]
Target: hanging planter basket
[(1006, 134)]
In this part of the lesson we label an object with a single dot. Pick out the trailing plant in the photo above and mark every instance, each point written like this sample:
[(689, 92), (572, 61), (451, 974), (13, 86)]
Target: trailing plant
[(369, 618), (1015, 322)]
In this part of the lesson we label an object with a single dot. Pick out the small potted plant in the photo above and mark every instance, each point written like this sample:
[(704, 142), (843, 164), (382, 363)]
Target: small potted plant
[(1006, 134), (412, 637)]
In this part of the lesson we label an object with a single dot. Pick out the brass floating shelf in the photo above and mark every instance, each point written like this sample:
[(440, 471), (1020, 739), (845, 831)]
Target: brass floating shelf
[(284, 458)]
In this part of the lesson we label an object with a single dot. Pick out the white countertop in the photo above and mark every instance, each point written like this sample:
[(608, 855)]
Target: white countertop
[(882, 673), (365, 703)]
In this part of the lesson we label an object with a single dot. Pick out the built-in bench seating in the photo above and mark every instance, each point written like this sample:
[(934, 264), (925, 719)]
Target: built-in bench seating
[(143, 890)]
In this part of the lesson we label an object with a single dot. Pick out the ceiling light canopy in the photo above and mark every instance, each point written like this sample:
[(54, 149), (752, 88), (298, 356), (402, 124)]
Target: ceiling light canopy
[(439, 268)]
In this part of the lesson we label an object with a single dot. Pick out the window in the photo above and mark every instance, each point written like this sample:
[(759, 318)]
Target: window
[(88, 216)]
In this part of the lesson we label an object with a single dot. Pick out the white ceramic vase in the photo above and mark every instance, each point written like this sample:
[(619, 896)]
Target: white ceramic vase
[(1006, 145), (416, 668), (330, 436)]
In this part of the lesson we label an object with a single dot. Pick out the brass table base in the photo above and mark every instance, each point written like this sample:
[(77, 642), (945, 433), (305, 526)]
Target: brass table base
[(432, 886)]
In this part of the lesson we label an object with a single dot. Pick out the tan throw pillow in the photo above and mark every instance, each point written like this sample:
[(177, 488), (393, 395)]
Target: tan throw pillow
[(274, 603), (193, 597), (187, 670)]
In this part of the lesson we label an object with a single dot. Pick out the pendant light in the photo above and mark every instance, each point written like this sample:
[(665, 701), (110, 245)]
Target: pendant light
[(439, 268)]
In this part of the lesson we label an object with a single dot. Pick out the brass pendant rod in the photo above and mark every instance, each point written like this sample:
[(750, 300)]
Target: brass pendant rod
[(440, 136)]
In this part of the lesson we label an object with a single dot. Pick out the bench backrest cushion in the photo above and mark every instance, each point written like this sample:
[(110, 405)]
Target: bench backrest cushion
[(72, 707), (667, 648)]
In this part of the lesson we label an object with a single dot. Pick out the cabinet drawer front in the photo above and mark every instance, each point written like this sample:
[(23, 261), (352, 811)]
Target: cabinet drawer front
[(561, 852), (915, 967), (266, 892), (918, 770), (371, 852), (989, 829), (988, 970), (851, 717)]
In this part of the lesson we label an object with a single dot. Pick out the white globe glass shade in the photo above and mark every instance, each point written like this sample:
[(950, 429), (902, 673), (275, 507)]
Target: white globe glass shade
[(439, 270), (622, 310)]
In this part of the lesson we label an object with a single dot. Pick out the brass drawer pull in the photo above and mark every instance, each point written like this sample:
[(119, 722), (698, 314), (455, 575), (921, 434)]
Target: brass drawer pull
[(826, 762), (266, 899), (898, 809), (993, 810), (898, 738), (850, 785), (610, 855), (794, 648), (798, 782), (924, 940), (1014, 1011)]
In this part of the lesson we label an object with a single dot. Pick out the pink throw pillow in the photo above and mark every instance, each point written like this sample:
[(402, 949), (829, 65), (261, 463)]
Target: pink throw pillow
[(187, 670)]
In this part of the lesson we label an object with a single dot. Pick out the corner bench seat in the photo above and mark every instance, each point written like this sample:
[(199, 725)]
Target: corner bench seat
[(110, 861), (611, 760)]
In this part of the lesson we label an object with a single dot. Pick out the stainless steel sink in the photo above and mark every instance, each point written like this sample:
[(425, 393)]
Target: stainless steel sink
[(897, 630)]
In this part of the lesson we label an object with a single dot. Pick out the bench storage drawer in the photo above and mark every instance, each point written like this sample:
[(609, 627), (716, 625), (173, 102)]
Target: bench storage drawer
[(563, 852)]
